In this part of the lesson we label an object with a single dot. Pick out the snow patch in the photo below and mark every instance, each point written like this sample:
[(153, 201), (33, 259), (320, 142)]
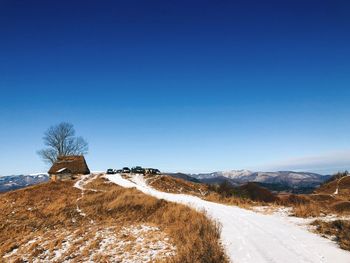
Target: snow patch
[(133, 243)]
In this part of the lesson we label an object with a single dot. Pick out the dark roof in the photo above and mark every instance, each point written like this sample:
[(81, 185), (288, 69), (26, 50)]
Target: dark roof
[(75, 164)]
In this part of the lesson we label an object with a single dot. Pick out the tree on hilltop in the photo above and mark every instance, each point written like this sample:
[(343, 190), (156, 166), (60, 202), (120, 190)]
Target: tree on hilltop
[(61, 141)]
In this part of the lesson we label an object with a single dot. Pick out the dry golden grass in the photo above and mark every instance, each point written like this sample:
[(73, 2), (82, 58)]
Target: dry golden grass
[(313, 205), (170, 184), (36, 209), (250, 195), (333, 203), (306, 210), (341, 207), (195, 237), (330, 187), (302, 205), (339, 229), (50, 209)]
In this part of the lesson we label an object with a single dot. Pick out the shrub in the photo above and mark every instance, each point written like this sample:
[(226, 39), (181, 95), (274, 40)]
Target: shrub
[(338, 228)]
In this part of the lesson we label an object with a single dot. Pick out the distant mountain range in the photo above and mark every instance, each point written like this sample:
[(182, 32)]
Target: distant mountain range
[(296, 182), (278, 181), (13, 182)]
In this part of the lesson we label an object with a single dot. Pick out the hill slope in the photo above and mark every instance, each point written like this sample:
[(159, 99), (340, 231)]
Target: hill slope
[(338, 186), (184, 177), (96, 221)]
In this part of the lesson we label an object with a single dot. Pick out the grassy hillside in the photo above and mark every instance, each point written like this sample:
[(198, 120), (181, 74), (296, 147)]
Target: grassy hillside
[(332, 197), (343, 184), (250, 194), (55, 222)]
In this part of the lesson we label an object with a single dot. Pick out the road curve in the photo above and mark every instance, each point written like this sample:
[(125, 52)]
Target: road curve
[(251, 237)]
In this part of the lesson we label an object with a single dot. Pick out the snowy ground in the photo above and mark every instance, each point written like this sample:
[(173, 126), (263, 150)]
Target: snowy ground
[(252, 237), (130, 244)]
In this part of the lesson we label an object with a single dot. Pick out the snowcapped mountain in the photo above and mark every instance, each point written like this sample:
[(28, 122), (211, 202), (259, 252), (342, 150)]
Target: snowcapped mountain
[(228, 174), (13, 182), (286, 178), (235, 174)]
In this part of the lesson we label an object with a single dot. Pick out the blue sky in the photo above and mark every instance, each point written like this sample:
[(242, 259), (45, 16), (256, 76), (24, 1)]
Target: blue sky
[(180, 85)]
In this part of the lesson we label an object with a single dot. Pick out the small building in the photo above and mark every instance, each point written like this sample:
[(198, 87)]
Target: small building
[(68, 167)]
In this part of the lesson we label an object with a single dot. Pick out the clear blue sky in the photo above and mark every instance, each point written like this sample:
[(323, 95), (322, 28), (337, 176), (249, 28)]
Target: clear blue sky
[(179, 85)]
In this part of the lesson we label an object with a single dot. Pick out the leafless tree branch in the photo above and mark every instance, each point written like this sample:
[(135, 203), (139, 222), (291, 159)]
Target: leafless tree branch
[(61, 141)]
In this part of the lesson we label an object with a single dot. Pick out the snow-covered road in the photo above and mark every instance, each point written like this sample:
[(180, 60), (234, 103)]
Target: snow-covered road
[(251, 237)]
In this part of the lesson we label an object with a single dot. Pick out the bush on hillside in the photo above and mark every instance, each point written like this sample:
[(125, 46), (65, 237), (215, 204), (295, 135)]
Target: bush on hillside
[(251, 191), (338, 228)]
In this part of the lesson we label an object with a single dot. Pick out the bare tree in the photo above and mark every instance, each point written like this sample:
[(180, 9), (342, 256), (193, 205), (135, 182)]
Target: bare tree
[(61, 141)]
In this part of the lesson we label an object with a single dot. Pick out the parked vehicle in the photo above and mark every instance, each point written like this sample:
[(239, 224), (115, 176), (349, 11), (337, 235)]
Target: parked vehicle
[(110, 171), (152, 171), (137, 170), (126, 170), (119, 171)]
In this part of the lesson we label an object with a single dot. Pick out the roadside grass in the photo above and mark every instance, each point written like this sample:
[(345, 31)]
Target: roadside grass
[(306, 210), (245, 198), (49, 213), (251, 195), (194, 235), (317, 208), (170, 184), (339, 230)]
